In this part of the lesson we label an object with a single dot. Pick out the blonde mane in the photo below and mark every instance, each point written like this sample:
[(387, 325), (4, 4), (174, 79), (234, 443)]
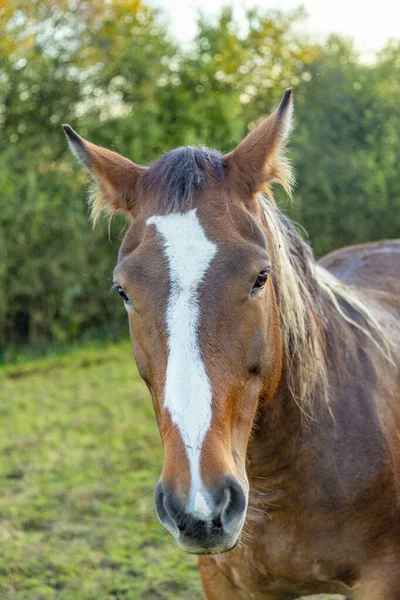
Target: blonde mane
[(301, 284)]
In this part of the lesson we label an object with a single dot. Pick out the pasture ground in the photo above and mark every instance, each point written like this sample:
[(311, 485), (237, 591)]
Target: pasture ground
[(79, 455)]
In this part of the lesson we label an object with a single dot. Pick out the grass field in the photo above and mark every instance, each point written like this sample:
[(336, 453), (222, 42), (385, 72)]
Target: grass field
[(79, 456)]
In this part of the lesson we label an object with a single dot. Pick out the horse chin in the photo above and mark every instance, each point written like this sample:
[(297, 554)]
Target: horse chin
[(209, 548), (209, 551)]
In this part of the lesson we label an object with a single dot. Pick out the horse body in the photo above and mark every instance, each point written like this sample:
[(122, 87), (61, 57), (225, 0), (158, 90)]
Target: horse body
[(275, 380), (323, 514)]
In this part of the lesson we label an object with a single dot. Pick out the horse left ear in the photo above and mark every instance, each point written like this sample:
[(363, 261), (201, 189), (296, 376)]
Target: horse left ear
[(259, 159), (115, 177)]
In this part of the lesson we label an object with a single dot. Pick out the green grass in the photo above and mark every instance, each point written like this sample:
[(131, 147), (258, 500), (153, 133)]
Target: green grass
[(79, 456)]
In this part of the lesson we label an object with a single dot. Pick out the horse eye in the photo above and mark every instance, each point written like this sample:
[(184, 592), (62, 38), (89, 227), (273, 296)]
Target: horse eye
[(261, 280), (122, 294)]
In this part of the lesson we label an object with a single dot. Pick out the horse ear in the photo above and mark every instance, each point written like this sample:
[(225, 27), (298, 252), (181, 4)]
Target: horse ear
[(115, 177), (259, 159)]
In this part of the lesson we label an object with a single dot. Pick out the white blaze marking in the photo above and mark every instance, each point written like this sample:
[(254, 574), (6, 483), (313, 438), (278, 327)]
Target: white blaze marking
[(187, 388), (201, 506)]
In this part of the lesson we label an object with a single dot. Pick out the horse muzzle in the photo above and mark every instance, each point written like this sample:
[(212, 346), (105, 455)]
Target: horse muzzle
[(205, 522)]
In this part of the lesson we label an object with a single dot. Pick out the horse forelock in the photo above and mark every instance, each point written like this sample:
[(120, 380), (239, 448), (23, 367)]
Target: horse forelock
[(176, 178)]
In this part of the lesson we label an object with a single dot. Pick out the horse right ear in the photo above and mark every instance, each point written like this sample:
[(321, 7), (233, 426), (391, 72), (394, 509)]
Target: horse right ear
[(259, 160), (115, 177)]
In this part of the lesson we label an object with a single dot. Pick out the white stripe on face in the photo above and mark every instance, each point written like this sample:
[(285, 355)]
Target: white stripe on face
[(187, 388)]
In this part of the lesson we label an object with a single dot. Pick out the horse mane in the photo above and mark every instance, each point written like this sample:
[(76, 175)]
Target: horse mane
[(309, 296)]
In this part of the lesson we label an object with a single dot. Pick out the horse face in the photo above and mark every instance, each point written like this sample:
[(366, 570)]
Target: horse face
[(205, 332), (197, 280)]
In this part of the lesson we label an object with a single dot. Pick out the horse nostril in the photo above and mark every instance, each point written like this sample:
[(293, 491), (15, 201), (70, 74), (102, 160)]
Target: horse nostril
[(234, 505), (159, 501), (169, 509), (217, 523)]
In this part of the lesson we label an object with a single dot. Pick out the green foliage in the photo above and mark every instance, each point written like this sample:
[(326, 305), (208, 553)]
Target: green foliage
[(55, 67), (112, 71), (345, 150)]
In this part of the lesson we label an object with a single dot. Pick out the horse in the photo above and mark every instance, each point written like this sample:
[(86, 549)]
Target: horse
[(274, 377)]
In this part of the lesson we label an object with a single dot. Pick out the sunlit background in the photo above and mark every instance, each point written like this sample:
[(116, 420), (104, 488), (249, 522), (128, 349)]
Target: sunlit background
[(79, 448), (145, 77), (370, 25)]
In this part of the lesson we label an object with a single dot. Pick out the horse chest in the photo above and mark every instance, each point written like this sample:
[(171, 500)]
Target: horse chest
[(281, 561)]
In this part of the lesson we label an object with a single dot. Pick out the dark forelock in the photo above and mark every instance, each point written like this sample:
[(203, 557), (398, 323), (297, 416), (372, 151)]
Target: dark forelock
[(176, 177)]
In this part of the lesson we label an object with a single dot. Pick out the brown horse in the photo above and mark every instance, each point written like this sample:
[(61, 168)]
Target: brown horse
[(274, 378)]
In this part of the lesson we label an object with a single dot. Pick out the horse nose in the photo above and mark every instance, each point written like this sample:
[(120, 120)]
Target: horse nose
[(206, 521)]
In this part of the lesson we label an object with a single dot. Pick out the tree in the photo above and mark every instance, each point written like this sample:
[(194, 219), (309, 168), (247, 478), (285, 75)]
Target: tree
[(345, 150), (111, 69), (94, 65)]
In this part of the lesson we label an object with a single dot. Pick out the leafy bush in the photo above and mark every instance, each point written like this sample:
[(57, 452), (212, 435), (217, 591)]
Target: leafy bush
[(113, 71)]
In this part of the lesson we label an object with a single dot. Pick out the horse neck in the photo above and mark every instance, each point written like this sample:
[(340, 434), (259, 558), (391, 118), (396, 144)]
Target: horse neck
[(276, 437), (288, 436), (286, 427)]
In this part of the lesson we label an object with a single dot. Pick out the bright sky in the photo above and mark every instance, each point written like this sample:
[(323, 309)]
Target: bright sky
[(370, 23)]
